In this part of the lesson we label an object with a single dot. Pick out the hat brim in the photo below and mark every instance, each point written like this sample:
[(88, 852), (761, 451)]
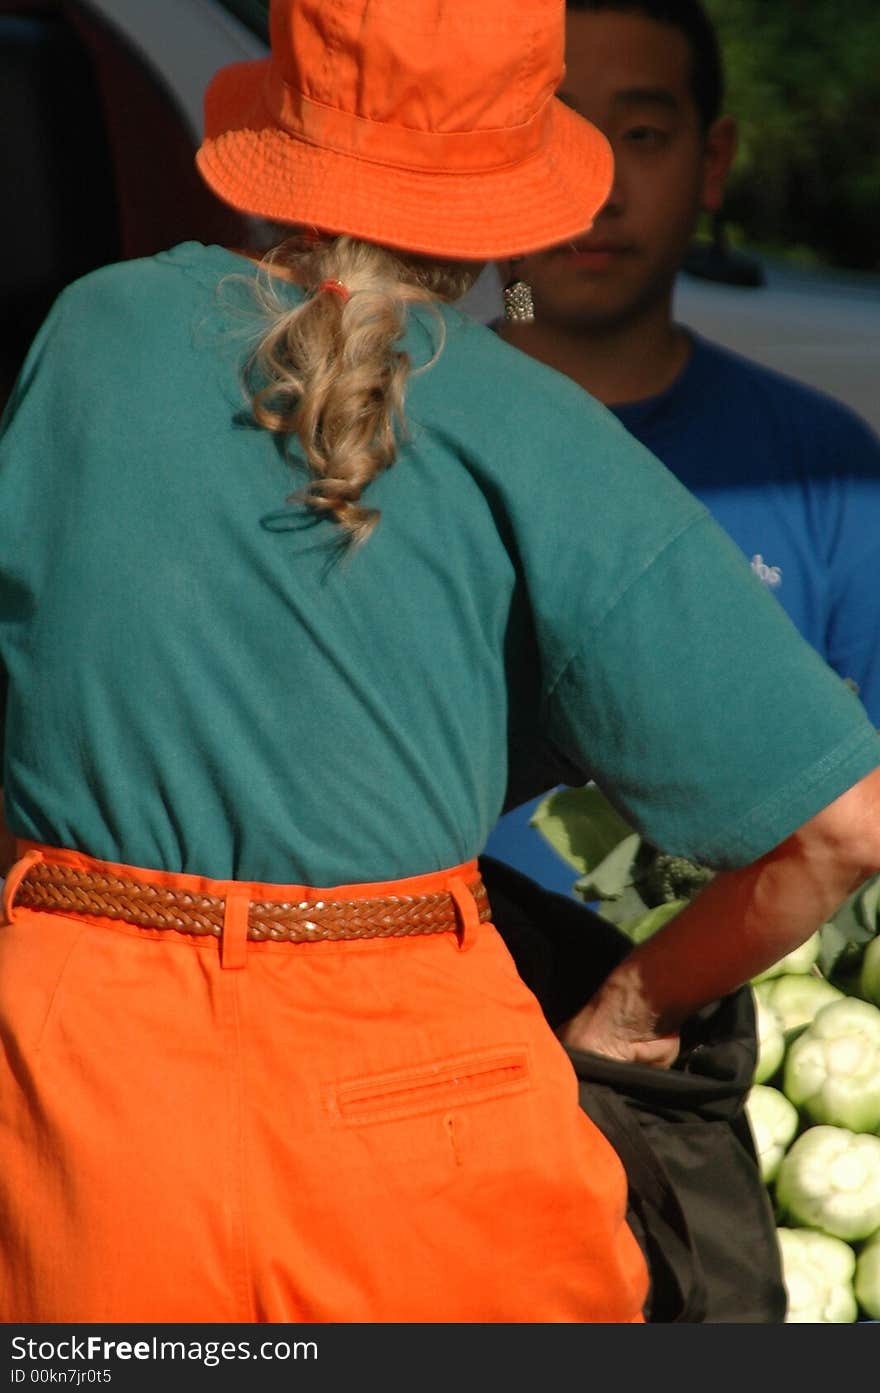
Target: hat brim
[(259, 168)]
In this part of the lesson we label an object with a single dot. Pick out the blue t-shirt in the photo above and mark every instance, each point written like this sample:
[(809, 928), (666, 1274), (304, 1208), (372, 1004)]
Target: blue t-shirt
[(793, 476)]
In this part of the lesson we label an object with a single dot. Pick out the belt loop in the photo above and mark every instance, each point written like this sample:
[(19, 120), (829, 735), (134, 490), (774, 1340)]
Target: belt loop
[(14, 876), (233, 939), (468, 913)]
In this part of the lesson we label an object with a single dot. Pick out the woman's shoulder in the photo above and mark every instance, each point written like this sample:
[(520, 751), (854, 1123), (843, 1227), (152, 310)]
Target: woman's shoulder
[(521, 390), (531, 427), (122, 283), (133, 310)]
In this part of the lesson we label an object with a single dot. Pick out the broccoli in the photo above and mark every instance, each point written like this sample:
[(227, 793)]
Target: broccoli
[(666, 878)]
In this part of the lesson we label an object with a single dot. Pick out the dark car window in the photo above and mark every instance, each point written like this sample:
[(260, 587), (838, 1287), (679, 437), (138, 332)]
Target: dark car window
[(101, 167), (253, 13)]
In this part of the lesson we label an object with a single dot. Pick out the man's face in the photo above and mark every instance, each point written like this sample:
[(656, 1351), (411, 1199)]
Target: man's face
[(630, 76)]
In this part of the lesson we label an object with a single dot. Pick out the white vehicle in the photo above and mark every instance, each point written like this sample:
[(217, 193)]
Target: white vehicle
[(105, 97)]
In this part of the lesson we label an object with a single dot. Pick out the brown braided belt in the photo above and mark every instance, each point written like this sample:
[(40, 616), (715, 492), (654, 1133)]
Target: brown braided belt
[(65, 890)]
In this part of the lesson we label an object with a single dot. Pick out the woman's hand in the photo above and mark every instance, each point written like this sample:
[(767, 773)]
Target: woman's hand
[(738, 925), (617, 1024)]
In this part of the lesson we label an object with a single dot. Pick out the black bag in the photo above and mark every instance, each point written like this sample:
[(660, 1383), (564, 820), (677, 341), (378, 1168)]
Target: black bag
[(697, 1203)]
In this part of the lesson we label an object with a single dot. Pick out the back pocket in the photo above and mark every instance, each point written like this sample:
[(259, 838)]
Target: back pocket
[(429, 1088)]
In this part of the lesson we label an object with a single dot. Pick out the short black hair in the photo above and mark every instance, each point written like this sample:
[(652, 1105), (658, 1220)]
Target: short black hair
[(691, 19)]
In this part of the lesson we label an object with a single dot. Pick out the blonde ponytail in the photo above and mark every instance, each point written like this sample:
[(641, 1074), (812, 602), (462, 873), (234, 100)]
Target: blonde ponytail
[(329, 370)]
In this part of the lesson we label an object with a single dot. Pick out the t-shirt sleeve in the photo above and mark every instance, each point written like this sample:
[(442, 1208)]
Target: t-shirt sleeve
[(853, 625), (697, 706), (668, 673)]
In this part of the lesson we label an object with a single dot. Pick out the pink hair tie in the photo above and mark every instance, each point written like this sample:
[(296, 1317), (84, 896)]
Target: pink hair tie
[(336, 288)]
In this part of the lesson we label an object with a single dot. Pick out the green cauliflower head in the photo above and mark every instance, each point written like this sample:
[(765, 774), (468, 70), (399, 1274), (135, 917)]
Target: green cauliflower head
[(818, 1275), (799, 960), (832, 1070), (770, 1040), (796, 998), (867, 1280), (830, 1180), (773, 1121)]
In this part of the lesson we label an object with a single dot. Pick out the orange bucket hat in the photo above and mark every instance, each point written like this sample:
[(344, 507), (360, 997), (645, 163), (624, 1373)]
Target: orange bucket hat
[(427, 125)]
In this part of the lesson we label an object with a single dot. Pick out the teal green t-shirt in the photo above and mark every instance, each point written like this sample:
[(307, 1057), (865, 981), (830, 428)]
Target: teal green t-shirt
[(199, 681)]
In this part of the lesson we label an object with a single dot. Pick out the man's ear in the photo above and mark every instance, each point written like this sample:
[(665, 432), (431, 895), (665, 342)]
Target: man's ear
[(719, 149)]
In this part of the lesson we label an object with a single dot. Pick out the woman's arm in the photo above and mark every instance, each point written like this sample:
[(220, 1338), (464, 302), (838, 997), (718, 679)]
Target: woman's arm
[(742, 921)]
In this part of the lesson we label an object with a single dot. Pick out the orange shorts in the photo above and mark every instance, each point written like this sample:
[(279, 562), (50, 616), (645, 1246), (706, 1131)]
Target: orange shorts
[(359, 1131)]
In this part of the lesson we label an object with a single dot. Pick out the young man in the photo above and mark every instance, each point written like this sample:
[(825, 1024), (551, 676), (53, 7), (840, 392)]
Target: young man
[(792, 476)]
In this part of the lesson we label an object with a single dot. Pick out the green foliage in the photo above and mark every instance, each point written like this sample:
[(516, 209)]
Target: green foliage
[(643, 925), (846, 936), (669, 878), (634, 885), (639, 888), (803, 80), (581, 825)]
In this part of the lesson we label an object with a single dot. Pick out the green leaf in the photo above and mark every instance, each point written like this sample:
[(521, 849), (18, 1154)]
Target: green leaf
[(845, 929), (647, 924), (613, 874), (868, 905), (869, 976), (846, 968), (835, 946), (628, 905), (581, 825)]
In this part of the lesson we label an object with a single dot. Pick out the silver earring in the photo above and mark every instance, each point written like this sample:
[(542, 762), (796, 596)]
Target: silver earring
[(519, 303)]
